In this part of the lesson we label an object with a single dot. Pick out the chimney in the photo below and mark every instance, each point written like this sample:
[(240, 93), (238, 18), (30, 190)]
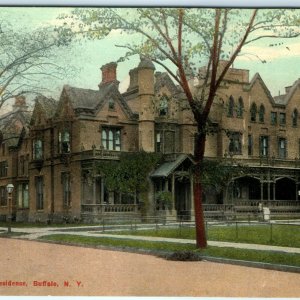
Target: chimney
[(133, 84), (20, 103), (109, 74)]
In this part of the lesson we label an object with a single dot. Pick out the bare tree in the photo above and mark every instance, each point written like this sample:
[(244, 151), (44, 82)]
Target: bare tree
[(26, 60), (188, 43)]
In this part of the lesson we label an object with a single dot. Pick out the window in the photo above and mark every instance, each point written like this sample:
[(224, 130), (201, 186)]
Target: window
[(250, 144), (273, 118), (235, 143), (282, 148), (3, 168), (23, 197), (64, 143), (165, 141), (295, 117), (39, 188), (65, 180), (282, 118), (111, 138), (253, 111), (3, 196), (240, 108), (230, 107), (158, 142), (163, 106), (37, 149), (169, 141), (21, 165), (111, 104), (262, 114), (264, 145)]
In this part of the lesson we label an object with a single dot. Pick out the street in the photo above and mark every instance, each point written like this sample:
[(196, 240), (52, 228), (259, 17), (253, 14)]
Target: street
[(34, 268)]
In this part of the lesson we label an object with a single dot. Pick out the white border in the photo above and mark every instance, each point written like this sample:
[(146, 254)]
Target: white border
[(190, 3)]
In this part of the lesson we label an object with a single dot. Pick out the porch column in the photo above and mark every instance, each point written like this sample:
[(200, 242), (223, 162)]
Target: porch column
[(94, 189), (261, 191), (166, 188), (102, 190), (274, 190), (173, 191), (269, 191)]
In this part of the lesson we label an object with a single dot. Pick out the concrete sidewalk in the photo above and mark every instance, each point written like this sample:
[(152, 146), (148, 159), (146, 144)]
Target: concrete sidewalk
[(35, 233)]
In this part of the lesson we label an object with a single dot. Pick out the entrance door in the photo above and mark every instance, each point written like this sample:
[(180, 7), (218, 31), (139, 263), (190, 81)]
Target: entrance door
[(183, 199)]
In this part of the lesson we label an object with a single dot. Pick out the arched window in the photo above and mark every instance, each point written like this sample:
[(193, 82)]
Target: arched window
[(240, 108), (262, 114), (295, 117), (163, 106), (253, 111), (230, 107)]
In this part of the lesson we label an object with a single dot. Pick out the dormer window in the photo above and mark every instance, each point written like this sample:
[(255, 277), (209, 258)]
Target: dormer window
[(64, 143), (111, 104), (37, 148), (163, 106)]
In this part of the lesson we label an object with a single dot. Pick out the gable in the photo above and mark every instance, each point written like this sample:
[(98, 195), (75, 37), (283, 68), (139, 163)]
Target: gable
[(64, 108), (113, 105), (259, 91)]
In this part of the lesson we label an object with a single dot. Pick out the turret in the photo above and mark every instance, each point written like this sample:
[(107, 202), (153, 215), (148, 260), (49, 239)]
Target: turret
[(146, 105)]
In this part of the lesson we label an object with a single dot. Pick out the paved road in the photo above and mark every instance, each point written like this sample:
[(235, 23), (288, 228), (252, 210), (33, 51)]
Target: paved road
[(97, 272)]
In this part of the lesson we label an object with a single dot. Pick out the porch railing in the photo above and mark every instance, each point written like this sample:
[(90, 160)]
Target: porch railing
[(109, 208), (101, 153), (270, 203)]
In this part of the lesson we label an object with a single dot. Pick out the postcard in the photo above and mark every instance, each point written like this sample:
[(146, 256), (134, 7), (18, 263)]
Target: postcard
[(149, 151)]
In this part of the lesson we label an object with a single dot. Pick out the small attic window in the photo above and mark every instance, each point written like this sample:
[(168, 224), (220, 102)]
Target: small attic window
[(163, 106), (111, 104)]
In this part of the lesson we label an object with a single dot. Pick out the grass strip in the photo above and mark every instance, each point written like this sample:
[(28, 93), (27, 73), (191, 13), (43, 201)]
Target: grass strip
[(277, 235), (279, 258)]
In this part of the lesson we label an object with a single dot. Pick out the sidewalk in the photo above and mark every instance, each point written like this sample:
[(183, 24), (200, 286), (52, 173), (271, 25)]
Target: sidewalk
[(35, 233)]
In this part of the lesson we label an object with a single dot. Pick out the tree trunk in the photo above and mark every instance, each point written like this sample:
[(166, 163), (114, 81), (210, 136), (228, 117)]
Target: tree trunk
[(198, 189)]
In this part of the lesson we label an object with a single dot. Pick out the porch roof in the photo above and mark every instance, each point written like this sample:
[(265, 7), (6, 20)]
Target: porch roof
[(167, 168)]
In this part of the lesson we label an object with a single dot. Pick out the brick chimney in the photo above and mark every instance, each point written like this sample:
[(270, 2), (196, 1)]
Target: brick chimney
[(133, 84), (20, 103), (109, 74)]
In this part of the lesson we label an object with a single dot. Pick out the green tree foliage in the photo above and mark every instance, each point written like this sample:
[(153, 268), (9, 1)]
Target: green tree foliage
[(217, 173), (130, 174)]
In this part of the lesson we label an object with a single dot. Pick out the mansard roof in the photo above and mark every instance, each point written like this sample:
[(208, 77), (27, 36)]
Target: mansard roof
[(91, 101)]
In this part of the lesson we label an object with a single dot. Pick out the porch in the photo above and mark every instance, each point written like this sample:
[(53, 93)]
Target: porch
[(253, 209)]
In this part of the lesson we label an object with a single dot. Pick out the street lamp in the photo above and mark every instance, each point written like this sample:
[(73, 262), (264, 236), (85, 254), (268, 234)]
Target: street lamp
[(9, 189)]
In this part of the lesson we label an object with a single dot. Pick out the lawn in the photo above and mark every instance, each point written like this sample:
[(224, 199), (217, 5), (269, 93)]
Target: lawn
[(279, 235), (230, 253)]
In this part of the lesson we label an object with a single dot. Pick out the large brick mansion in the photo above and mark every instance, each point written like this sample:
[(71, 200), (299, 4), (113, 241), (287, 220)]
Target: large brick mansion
[(52, 155)]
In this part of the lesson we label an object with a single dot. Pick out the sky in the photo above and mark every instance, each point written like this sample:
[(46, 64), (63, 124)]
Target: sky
[(280, 70)]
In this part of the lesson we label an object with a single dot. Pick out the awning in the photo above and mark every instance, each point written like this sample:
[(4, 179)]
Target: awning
[(167, 168)]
